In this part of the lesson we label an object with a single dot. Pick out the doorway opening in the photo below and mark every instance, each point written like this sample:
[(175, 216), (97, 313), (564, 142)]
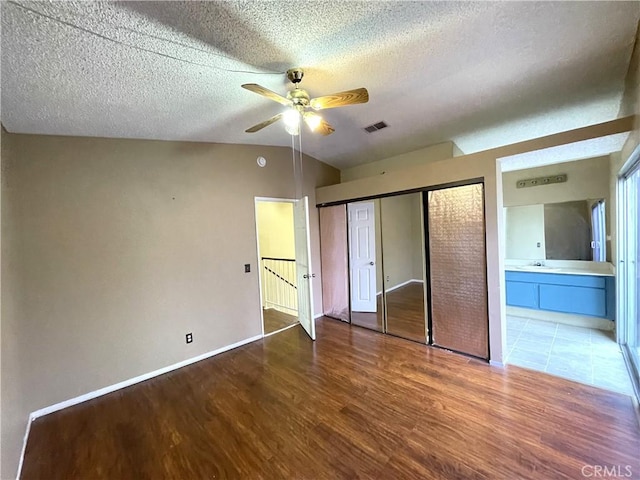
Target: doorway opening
[(277, 264), (559, 274)]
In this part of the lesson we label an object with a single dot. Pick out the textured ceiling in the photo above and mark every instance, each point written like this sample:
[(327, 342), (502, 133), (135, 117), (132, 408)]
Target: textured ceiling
[(482, 74)]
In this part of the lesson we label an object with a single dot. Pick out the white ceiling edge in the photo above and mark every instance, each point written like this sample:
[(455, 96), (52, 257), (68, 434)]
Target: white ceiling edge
[(560, 119), (595, 147)]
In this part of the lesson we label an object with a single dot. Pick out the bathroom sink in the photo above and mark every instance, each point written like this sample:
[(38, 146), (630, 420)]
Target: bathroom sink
[(537, 268)]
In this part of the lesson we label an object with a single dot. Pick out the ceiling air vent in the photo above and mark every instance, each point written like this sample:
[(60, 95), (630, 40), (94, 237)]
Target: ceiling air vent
[(375, 127)]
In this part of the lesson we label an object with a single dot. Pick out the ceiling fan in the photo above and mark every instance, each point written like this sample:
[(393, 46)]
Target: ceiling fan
[(299, 104)]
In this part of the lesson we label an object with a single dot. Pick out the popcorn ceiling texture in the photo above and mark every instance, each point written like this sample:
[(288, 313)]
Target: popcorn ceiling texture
[(481, 74)]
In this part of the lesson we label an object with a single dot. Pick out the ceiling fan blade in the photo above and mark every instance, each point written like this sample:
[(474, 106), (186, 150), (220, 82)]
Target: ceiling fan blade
[(266, 123), (317, 124), (341, 99), (265, 92)]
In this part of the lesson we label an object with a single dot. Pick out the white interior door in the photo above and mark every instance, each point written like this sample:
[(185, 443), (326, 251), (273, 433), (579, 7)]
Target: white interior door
[(362, 256), (303, 266)]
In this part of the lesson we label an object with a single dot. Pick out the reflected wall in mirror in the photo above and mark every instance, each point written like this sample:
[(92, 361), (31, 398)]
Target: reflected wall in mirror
[(403, 265), (334, 262), (365, 265), (557, 231)]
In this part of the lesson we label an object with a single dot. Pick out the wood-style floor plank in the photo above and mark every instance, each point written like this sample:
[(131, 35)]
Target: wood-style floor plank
[(405, 312), (354, 404), (275, 320)]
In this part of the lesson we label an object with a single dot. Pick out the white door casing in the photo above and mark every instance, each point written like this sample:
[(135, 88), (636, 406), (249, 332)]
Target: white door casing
[(362, 256)]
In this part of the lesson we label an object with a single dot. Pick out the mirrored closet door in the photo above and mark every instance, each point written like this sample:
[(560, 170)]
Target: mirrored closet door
[(404, 265), (413, 264), (365, 264)]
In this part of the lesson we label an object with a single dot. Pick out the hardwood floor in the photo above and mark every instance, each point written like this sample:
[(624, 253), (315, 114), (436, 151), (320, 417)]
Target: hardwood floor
[(354, 404), (405, 312), (275, 320), (370, 320)]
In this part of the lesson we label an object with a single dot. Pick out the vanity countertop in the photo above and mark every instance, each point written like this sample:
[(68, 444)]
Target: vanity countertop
[(563, 267)]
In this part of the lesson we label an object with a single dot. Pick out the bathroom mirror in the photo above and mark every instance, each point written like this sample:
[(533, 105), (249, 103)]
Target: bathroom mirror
[(403, 265), (557, 231)]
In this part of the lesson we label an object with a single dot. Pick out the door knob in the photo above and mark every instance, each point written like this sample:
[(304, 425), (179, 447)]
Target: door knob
[(371, 263)]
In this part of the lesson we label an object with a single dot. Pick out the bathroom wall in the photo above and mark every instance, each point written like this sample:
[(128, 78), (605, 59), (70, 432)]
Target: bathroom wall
[(585, 179)]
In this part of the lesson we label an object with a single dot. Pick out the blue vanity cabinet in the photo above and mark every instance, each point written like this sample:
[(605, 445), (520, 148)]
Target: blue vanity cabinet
[(578, 294), (522, 294)]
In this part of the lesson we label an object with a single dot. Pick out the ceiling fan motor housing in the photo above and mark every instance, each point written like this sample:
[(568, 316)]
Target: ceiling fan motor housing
[(299, 97), (295, 75)]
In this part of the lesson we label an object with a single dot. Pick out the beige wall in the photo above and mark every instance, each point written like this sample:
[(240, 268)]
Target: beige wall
[(397, 240), (275, 229), (440, 151), (630, 105), (585, 179), (114, 249)]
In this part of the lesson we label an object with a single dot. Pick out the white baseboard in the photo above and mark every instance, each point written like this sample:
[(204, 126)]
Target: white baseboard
[(281, 330), (565, 318), (400, 285), (495, 363), (138, 379), (24, 446), (126, 383)]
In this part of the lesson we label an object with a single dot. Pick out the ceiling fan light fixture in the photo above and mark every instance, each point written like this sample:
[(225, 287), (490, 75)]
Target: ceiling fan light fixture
[(298, 103), (312, 121), (291, 119)]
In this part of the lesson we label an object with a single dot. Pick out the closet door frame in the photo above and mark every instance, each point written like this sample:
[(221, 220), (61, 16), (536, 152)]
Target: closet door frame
[(424, 191)]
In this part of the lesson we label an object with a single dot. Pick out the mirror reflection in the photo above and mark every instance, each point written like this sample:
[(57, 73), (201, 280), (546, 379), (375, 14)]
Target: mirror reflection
[(365, 264), (574, 230), (403, 265)]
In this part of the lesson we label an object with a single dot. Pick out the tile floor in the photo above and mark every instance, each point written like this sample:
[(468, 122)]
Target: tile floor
[(582, 354)]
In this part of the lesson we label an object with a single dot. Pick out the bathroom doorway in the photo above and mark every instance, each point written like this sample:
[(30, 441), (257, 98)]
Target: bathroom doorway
[(559, 277)]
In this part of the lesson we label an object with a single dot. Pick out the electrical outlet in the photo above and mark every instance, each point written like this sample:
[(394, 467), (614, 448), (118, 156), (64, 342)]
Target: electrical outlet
[(247, 267), (189, 337)]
